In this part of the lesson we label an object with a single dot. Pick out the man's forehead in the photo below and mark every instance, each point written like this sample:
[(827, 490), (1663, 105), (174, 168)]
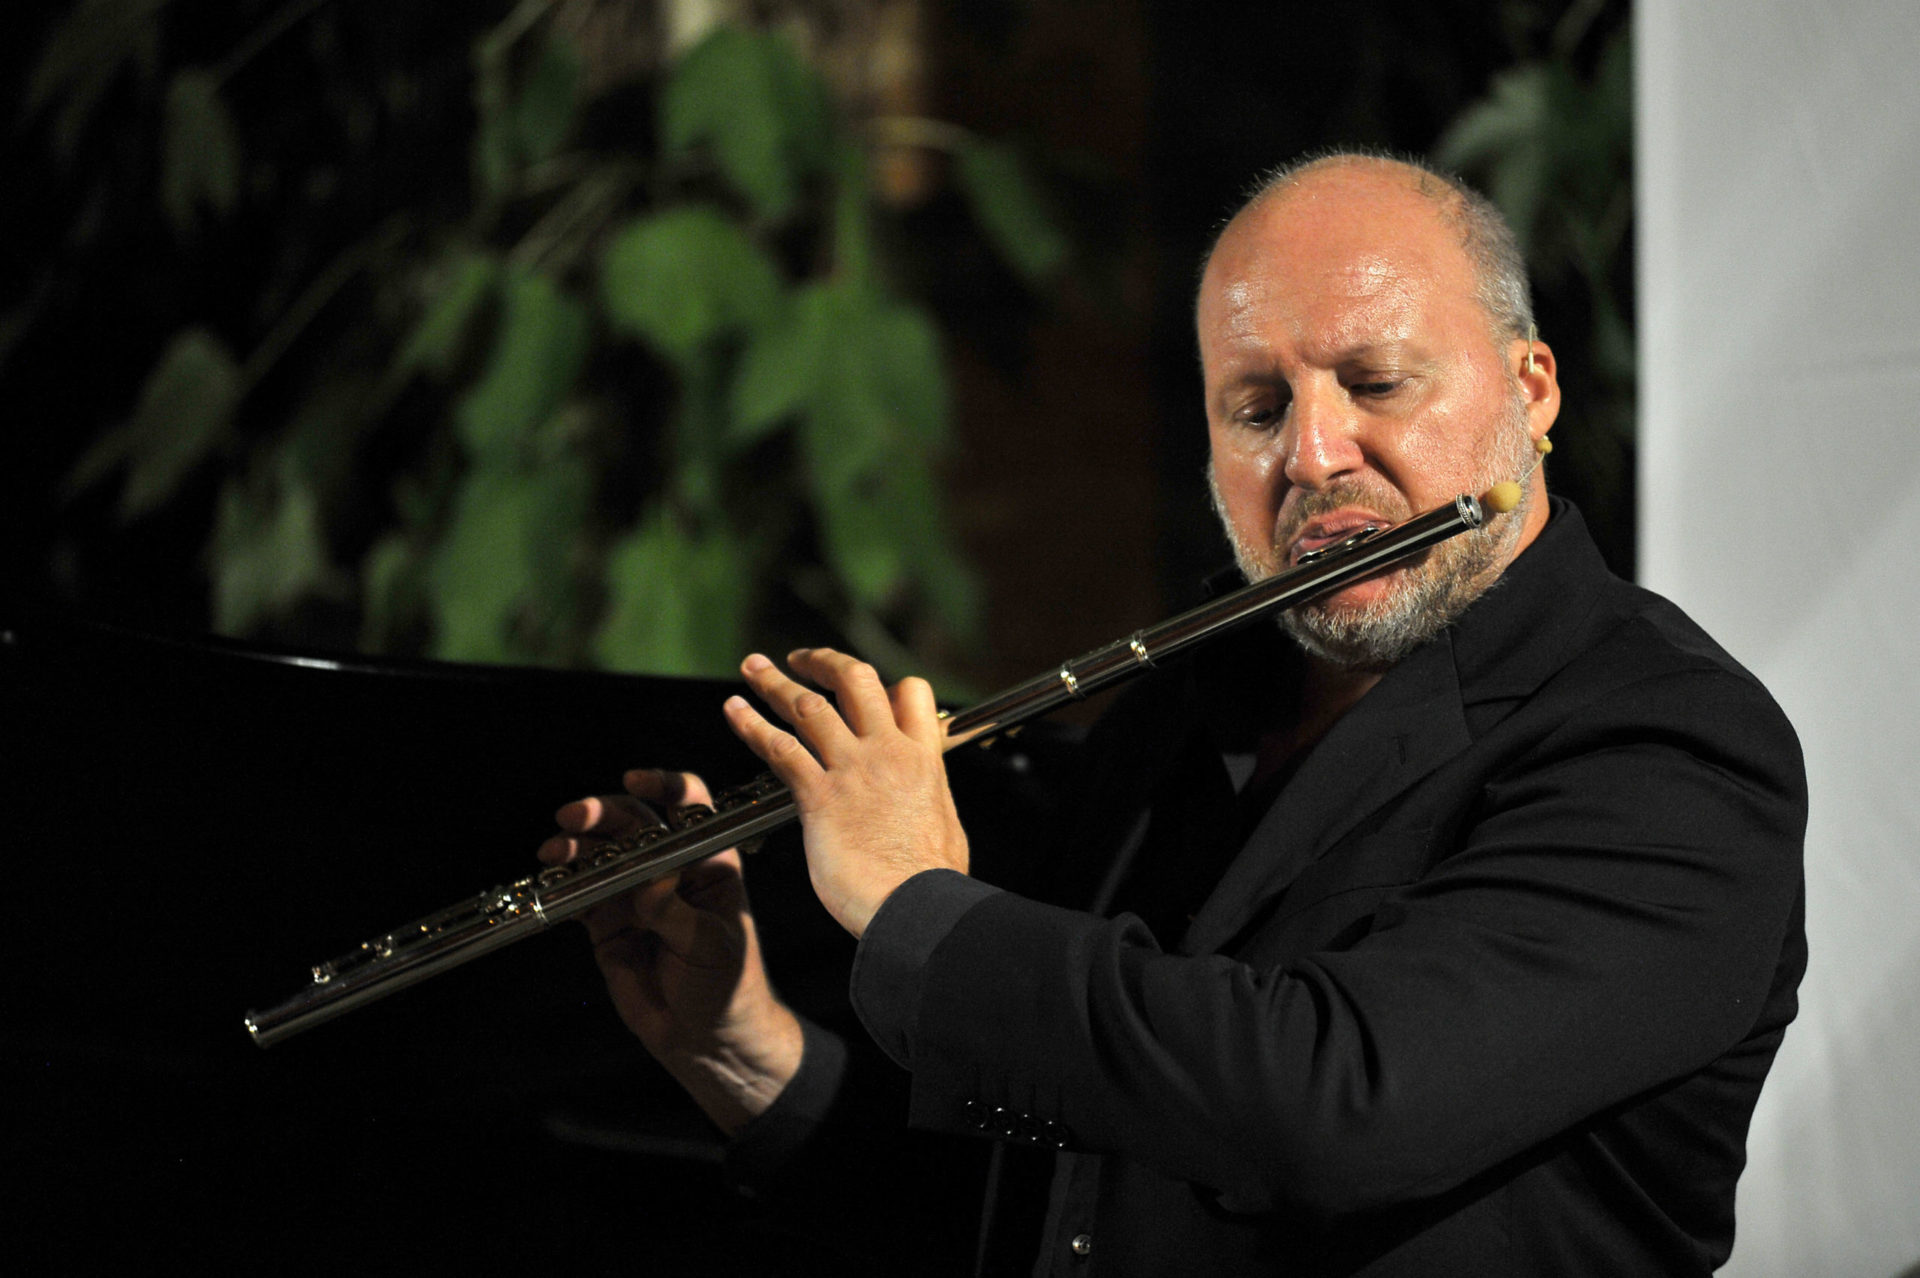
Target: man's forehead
[(1358, 253), (1341, 305)]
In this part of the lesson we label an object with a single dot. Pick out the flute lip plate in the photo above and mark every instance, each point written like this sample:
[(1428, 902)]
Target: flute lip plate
[(1321, 552)]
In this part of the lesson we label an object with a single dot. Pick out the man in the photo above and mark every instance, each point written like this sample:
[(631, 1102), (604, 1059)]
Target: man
[(1455, 937)]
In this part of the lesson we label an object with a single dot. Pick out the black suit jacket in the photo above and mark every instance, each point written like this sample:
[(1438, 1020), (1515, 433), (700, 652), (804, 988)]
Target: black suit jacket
[(1489, 989)]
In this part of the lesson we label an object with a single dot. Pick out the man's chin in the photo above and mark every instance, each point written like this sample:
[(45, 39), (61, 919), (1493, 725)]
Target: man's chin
[(1354, 602), (1367, 626)]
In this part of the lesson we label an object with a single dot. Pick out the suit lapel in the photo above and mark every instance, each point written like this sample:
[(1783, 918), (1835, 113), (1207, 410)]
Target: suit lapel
[(1406, 726)]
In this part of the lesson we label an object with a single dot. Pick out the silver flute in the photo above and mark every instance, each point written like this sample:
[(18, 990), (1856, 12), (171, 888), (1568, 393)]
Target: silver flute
[(746, 814)]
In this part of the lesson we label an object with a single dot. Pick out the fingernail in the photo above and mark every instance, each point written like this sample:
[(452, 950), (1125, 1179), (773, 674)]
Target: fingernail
[(736, 703), (799, 654), (755, 663)]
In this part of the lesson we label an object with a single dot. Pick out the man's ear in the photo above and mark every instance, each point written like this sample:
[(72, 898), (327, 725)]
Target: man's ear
[(1532, 364)]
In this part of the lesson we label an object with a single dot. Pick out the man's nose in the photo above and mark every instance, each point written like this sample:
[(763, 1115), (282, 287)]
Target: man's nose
[(1324, 443)]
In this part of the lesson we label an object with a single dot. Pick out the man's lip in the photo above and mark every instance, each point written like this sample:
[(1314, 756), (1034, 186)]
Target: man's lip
[(1329, 529)]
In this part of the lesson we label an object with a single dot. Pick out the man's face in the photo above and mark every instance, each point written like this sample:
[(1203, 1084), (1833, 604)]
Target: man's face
[(1352, 377)]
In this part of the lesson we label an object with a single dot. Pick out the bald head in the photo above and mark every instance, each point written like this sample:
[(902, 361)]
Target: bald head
[(1477, 227)]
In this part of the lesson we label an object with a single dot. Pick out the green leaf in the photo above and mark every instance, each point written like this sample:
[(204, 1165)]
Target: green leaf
[(677, 604), (779, 369), (1508, 137), (544, 110), (559, 503), (200, 151), (1010, 211), (888, 534), (874, 413), (952, 591), (184, 410), (680, 279), (700, 438), (761, 110), (268, 552), (478, 574), (852, 217), (879, 389), (467, 283), (541, 347), (504, 551), (392, 592), (494, 144), (325, 428), (948, 586), (83, 56), (903, 356), (858, 534)]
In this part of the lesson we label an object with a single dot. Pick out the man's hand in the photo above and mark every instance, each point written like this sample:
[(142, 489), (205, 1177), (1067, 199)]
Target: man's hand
[(869, 779), (681, 958)]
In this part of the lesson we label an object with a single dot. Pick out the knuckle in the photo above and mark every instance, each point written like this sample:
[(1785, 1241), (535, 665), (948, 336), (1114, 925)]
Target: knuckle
[(809, 704)]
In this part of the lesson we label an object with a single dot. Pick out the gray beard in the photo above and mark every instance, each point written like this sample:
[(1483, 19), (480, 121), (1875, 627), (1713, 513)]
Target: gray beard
[(1431, 593)]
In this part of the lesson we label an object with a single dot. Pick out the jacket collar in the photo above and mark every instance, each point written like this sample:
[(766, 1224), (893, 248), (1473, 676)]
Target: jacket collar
[(1422, 713)]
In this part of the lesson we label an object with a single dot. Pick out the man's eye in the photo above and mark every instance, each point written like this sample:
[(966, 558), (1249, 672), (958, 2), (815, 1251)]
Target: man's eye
[(1374, 388)]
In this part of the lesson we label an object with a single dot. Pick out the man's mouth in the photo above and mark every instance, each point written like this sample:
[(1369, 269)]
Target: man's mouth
[(1331, 530)]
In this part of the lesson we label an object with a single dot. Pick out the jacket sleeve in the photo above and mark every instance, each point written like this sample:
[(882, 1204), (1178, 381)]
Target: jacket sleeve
[(1605, 916)]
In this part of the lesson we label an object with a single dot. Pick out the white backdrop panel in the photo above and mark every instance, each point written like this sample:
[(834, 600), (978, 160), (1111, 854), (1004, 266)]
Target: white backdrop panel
[(1779, 181)]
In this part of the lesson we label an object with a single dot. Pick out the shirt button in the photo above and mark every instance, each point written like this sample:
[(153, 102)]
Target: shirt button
[(1082, 1244)]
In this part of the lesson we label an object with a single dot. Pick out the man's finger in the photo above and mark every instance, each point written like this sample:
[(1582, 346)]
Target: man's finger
[(607, 816), (917, 713), (781, 751), (812, 715), (856, 686), (668, 789)]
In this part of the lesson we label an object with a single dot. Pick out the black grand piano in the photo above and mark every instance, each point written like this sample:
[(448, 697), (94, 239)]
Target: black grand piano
[(191, 824)]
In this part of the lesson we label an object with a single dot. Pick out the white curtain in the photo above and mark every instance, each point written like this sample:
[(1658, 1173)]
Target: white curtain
[(1779, 251)]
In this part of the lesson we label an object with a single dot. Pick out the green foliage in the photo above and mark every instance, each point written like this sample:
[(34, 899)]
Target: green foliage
[(268, 550), (684, 279), (1554, 149), (761, 111), (676, 601), (87, 52), (537, 355), (1010, 210), (466, 284), (526, 113), (185, 410), (200, 157), (547, 107), (502, 557), (626, 406)]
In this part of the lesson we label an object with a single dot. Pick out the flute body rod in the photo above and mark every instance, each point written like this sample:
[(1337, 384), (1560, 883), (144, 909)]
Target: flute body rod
[(501, 915)]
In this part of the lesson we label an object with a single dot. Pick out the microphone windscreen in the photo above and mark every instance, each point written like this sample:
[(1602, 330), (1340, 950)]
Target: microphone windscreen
[(1502, 497)]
